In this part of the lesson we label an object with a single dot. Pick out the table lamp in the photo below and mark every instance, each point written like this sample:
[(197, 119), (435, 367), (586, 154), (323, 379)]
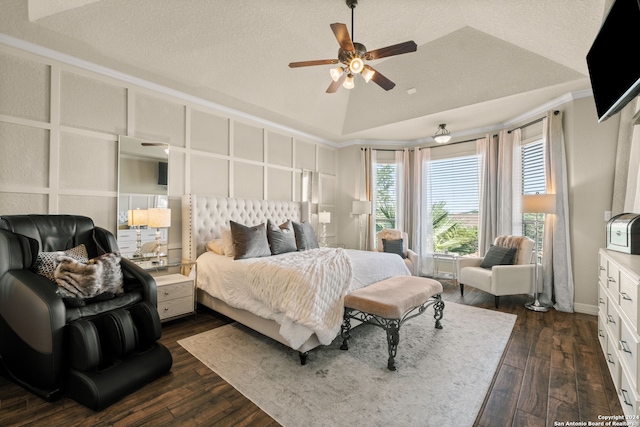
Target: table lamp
[(159, 218), (136, 218), (324, 218)]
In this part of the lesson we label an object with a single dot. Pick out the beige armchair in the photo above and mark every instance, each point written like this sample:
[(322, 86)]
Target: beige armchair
[(410, 257), (517, 278)]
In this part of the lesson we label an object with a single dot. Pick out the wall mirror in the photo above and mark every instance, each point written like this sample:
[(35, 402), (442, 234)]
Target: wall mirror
[(143, 177)]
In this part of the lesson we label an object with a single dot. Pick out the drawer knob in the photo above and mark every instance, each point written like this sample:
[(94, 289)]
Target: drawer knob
[(625, 296), (166, 309), (600, 300), (611, 279), (602, 268), (610, 319), (166, 292), (600, 333), (610, 359), (625, 347)]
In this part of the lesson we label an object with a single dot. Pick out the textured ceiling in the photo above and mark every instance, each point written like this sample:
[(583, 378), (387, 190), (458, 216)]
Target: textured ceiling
[(478, 63)]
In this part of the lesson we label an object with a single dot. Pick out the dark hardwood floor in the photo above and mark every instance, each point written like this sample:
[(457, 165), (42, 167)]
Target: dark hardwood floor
[(552, 370)]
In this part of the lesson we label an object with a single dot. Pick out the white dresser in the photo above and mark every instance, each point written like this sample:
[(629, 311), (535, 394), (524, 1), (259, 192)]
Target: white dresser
[(619, 278)]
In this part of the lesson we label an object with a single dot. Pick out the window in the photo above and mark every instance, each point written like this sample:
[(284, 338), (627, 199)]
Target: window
[(386, 190), (533, 181), (454, 192)]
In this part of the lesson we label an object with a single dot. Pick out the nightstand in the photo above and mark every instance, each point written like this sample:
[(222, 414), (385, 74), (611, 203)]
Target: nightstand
[(176, 291)]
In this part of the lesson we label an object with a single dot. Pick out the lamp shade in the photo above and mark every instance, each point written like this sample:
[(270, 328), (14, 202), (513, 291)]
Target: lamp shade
[(539, 203), (159, 218), (361, 207), (324, 217), (136, 217)]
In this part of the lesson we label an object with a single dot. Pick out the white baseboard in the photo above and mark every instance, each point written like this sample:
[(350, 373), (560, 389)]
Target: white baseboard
[(585, 308)]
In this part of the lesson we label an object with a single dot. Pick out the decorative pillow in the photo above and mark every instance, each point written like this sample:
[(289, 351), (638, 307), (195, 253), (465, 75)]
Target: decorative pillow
[(394, 246), (249, 242), (498, 255), (282, 239), (46, 262), (227, 241), (305, 236), (216, 246), (100, 275)]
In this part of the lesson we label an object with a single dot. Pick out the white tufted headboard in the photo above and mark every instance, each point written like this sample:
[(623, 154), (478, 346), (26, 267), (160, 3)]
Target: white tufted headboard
[(202, 217)]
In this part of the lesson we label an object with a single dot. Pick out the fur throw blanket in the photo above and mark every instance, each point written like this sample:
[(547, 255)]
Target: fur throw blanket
[(100, 275)]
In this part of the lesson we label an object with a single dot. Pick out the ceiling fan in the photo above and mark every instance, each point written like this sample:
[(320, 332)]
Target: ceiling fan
[(352, 55)]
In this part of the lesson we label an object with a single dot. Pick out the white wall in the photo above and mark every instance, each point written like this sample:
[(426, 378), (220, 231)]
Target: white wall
[(59, 127)]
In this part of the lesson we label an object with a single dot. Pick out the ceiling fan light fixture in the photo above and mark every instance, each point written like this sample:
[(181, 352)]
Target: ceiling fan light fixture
[(367, 74), (348, 82), (442, 135), (356, 65), (336, 73)]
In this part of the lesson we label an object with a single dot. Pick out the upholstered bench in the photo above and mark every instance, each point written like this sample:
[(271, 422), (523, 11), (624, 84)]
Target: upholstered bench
[(388, 304)]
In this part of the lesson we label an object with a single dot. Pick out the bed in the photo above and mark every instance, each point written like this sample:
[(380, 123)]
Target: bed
[(218, 276)]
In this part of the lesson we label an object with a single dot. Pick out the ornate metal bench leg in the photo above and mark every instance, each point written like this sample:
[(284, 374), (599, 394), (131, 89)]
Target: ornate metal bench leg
[(438, 308), (303, 357), (344, 331), (393, 338)]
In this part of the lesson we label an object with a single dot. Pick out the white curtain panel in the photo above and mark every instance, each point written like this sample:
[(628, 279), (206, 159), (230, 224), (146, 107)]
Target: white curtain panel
[(516, 183), (487, 149), (507, 188), (403, 193), (370, 164), (422, 215), (558, 287), (626, 174)]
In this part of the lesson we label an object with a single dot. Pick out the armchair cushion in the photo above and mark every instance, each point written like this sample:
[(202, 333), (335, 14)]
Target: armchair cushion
[(47, 262), (394, 246), (498, 255)]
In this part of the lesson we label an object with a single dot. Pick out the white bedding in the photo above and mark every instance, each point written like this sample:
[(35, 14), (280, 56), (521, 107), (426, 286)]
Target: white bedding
[(302, 291)]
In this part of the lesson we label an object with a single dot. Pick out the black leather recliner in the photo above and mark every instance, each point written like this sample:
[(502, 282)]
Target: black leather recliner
[(96, 353)]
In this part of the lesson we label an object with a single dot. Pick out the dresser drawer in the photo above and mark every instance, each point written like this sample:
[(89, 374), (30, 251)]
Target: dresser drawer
[(628, 299), (629, 347), (611, 356), (613, 320), (602, 331), (175, 307), (628, 396), (613, 278), (174, 291)]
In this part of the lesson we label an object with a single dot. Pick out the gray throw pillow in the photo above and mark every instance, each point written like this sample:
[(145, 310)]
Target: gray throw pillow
[(282, 239), (305, 236), (498, 255), (249, 242), (394, 246)]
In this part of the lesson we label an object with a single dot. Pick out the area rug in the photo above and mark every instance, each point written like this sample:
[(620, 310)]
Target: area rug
[(442, 378)]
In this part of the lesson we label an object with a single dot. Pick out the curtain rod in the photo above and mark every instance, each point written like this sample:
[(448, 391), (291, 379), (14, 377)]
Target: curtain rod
[(555, 113)]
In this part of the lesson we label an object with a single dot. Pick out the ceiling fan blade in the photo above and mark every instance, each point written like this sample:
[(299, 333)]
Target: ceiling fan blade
[(396, 49), (309, 63), (381, 80), (334, 86), (342, 35)]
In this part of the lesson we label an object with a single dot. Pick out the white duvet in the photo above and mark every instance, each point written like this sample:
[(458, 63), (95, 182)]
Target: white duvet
[(302, 291)]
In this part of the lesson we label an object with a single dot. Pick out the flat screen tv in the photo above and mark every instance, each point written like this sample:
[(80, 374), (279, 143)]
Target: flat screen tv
[(163, 168), (614, 60)]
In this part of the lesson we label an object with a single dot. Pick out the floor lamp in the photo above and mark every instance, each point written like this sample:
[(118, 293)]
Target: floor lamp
[(537, 204), (360, 207)]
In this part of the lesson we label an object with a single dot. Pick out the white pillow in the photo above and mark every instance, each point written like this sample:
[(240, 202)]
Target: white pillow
[(216, 246), (227, 241)]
